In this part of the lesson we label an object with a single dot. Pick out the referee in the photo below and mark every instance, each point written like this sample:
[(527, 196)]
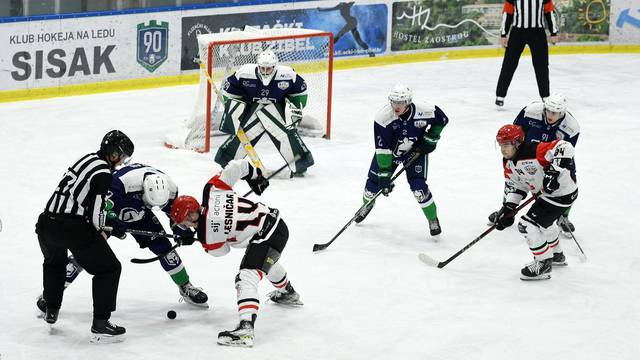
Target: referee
[(526, 16), (73, 220)]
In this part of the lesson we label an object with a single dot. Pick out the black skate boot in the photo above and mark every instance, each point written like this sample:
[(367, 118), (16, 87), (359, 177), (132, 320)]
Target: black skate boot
[(362, 214), (537, 270), (559, 259), (499, 101), (51, 316), (566, 225), (104, 332), (286, 296), (434, 227), (241, 336), (41, 303), (193, 295)]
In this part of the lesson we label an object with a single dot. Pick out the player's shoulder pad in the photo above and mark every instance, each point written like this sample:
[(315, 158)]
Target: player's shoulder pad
[(284, 73), (570, 125), (247, 71), (385, 116), (534, 110), (424, 111)]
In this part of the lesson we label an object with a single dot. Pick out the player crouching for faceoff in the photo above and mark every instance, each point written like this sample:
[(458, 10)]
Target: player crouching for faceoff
[(547, 170), (227, 220), (256, 96), (403, 128)]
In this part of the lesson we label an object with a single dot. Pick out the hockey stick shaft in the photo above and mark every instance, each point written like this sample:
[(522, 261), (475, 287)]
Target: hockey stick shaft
[(442, 264), (318, 247), (296, 158), (584, 256)]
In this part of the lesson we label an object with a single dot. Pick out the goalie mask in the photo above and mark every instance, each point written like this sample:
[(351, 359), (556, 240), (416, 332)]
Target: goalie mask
[(267, 61), (155, 190)]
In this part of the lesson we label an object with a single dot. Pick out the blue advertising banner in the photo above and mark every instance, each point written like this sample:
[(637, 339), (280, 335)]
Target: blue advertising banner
[(357, 29)]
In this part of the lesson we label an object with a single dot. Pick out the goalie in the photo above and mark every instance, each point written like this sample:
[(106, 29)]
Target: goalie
[(255, 100)]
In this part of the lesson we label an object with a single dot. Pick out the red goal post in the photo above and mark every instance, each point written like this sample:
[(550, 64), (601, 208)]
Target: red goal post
[(308, 52)]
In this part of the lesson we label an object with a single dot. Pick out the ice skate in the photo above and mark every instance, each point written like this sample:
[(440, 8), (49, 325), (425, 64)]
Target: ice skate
[(193, 295), (434, 227), (104, 332), (51, 316), (559, 259), (362, 214), (286, 296), (537, 270), (241, 336), (41, 304)]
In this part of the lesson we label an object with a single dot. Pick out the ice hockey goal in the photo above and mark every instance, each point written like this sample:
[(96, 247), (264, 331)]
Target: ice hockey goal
[(308, 52)]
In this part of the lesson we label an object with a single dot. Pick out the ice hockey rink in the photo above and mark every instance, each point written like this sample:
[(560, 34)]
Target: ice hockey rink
[(367, 296)]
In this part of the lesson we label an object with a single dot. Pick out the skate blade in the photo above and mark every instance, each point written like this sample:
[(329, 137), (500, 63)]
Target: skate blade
[(203, 305), (535, 278), (245, 342), (561, 264), (436, 238), (106, 339), (289, 303)]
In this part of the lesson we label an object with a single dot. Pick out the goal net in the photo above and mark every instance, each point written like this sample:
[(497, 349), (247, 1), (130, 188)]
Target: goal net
[(308, 52)]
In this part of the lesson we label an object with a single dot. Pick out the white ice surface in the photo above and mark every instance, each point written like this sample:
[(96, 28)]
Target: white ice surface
[(367, 296)]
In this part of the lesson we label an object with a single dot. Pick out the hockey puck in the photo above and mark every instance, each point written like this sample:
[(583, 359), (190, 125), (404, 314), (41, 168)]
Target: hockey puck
[(171, 314)]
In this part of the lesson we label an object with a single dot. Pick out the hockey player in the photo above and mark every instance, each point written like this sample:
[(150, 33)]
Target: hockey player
[(401, 129), (548, 121), (546, 169), (135, 190), (227, 220), (255, 100)]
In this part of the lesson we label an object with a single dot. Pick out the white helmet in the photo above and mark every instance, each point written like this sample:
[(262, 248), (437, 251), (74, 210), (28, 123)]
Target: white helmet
[(401, 93), (267, 58), (556, 103), (155, 190)]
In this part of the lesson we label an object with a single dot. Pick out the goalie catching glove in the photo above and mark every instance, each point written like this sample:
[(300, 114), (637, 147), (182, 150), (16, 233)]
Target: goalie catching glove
[(257, 182)]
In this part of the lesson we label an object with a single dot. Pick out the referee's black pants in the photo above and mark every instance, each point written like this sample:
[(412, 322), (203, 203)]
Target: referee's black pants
[(59, 233), (518, 39)]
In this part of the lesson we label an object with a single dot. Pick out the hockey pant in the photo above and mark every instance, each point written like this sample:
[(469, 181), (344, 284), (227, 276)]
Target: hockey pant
[(416, 175), (260, 259), (539, 229), (263, 119)]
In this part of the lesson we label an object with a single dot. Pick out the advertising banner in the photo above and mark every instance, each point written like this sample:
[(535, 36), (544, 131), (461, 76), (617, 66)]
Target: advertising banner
[(51, 53), (583, 20), (625, 22), (357, 29)]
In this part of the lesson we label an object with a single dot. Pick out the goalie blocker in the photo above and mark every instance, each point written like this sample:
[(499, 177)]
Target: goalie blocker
[(257, 120)]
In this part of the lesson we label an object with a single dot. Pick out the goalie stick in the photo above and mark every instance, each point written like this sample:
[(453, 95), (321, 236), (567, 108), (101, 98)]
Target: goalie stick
[(318, 247), (440, 264)]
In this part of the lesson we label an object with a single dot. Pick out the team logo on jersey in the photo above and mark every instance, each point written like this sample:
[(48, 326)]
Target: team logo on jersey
[(530, 169), (420, 124), (226, 85), (420, 195), (249, 84), (153, 44), (418, 169), (283, 85), (172, 258), (129, 214), (559, 135)]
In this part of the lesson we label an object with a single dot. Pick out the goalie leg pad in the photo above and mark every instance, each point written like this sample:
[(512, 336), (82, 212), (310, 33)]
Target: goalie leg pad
[(233, 115)]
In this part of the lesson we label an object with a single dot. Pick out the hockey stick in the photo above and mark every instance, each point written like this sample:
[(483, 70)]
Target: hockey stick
[(148, 260), (583, 256), (242, 136), (440, 264), (318, 247)]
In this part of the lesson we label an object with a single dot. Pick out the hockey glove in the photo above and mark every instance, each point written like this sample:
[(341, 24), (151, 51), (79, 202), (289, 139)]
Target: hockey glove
[(119, 227), (183, 234), (550, 180), (296, 115), (259, 184), (505, 216), (426, 145), (385, 184)]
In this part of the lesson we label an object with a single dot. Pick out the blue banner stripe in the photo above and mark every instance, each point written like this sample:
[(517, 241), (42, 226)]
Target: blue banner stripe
[(15, 19)]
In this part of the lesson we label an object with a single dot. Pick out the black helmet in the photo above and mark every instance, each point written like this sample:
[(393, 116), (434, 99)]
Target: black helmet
[(116, 141)]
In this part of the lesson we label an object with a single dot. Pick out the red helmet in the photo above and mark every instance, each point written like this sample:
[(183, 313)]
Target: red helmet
[(510, 134), (182, 206)]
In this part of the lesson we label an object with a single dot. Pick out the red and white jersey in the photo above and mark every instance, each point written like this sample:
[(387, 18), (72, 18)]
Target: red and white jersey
[(525, 172), (228, 219)]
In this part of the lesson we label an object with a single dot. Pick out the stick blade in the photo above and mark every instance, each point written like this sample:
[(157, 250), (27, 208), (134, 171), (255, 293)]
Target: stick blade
[(428, 260), (319, 247)]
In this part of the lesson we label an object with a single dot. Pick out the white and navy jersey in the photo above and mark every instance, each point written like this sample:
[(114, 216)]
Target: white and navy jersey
[(82, 190), (532, 119), (127, 189), (525, 172), (231, 220), (397, 135), (528, 14), (245, 84)]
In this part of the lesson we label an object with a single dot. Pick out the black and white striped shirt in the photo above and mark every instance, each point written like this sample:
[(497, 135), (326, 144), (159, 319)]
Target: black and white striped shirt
[(82, 189), (528, 14)]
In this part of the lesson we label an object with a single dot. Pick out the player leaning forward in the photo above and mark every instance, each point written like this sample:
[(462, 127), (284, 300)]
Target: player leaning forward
[(403, 128), (547, 170), (255, 100), (227, 220)]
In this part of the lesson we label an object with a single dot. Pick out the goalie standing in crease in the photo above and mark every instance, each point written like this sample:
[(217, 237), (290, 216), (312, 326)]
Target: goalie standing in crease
[(401, 129), (255, 100)]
